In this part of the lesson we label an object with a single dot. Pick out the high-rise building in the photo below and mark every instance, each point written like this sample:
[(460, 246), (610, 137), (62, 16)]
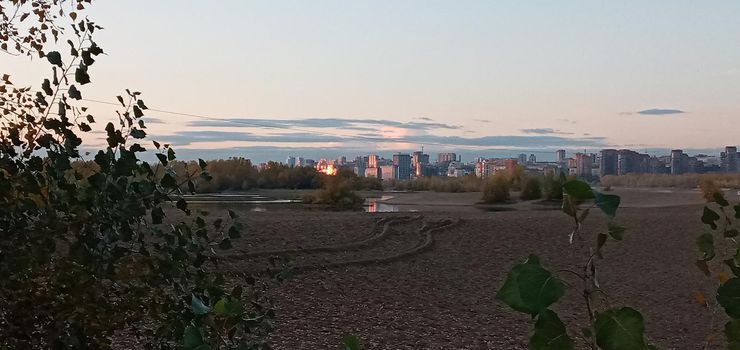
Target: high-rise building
[(584, 165), (372, 161), (360, 166), (729, 160), (609, 162), (420, 163), (532, 159), (522, 158), (560, 156), (677, 165), (446, 157), (403, 162), (290, 162), (389, 172)]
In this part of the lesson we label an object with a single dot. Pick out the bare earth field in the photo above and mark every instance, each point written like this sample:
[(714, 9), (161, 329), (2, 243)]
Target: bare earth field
[(426, 279)]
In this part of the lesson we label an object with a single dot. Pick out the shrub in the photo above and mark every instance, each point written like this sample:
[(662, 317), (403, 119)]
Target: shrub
[(496, 189), (532, 189)]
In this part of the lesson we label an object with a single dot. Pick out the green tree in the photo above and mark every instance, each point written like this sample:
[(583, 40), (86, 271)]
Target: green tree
[(92, 248)]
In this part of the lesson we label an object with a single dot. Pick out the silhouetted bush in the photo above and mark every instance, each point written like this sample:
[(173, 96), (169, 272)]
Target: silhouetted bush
[(497, 189), (532, 189)]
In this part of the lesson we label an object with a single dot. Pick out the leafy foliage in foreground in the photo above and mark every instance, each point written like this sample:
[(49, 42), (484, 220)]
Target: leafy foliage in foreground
[(532, 289), (719, 259), (95, 249)]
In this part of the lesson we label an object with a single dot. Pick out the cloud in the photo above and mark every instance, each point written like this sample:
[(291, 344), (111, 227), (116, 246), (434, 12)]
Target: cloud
[(540, 141), (482, 120), (569, 121), (425, 118), (339, 123), (545, 131), (656, 111)]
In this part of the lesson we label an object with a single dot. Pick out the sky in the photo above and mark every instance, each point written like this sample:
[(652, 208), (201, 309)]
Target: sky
[(269, 79)]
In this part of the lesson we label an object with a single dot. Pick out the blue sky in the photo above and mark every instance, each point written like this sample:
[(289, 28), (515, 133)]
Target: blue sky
[(482, 74)]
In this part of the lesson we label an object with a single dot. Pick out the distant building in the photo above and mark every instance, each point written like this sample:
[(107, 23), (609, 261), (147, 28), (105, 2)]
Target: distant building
[(583, 165), (560, 156), (290, 162), (609, 162), (677, 162), (532, 159), (360, 166), (420, 163), (388, 172), (402, 161), (522, 158), (372, 161), (446, 157), (729, 160), (374, 172)]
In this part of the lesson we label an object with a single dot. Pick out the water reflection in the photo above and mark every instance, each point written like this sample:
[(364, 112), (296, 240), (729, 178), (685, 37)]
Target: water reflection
[(375, 207)]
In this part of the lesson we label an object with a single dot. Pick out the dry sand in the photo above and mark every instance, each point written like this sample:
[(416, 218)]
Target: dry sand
[(441, 297)]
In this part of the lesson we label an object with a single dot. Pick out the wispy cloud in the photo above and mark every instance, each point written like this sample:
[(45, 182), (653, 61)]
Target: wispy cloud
[(545, 131), (540, 141), (340, 123)]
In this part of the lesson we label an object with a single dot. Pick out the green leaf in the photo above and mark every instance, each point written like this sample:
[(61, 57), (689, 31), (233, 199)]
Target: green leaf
[(140, 104), (191, 186), (225, 244), (530, 288), (621, 329), (600, 241), (710, 218), (550, 333), (234, 232), (81, 75), (137, 112), (54, 58), (202, 163), (732, 233), (732, 264), (168, 181), (232, 214), (197, 305), (162, 158), (578, 189), (616, 231), (351, 342), (228, 307), (608, 203), (138, 133), (705, 243), (737, 211), (157, 215), (568, 207), (193, 339), (732, 332), (182, 204), (74, 93), (728, 295), (719, 198), (46, 86), (170, 154)]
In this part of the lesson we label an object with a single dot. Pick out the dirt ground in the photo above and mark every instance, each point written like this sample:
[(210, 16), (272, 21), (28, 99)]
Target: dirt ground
[(386, 283)]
